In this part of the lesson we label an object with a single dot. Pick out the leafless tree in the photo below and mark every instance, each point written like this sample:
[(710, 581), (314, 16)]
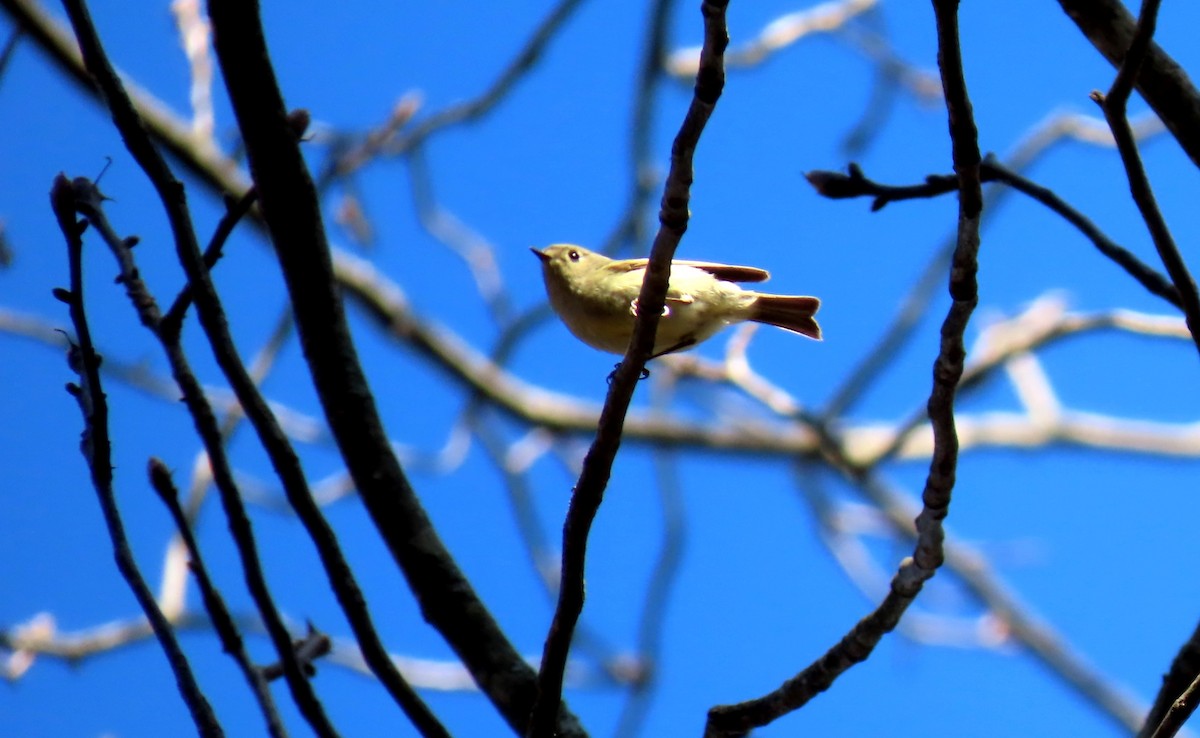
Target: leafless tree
[(699, 406)]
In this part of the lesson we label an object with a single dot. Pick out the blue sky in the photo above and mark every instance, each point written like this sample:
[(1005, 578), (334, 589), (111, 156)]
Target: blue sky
[(1090, 541)]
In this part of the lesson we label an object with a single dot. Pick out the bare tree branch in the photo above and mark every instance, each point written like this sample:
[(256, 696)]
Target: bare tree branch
[(97, 450), (597, 466), (1114, 105), (214, 604), (1162, 82), (928, 555), (835, 185), (292, 214)]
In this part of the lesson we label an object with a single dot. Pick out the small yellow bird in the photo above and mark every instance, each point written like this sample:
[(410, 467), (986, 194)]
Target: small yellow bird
[(596, 297)]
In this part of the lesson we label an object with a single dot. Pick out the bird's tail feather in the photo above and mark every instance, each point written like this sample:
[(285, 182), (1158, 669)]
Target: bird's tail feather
[(791, 313)]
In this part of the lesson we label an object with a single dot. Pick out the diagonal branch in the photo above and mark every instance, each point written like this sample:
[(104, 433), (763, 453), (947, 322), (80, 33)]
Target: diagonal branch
[(1163, 83), (597, 465), (928, 555), (289, 206), (218, 612), (1114, 106)]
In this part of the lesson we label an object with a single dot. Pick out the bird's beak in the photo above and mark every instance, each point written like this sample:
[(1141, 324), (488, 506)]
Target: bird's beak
[(540, 254)]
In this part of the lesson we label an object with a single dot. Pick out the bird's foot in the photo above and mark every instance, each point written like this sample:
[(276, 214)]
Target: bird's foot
[(613, 374)]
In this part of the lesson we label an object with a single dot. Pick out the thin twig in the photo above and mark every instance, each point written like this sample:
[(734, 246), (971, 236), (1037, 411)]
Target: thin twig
[(1181, 710), (171, 193), (597, 465), (312, 646), (276, 444), (1162, 81), (235, 210), (471, 110), (206, 425), (1055, 129), (1179, 680), (214, 604), (1114, 106), (97, 450), (854, 183)]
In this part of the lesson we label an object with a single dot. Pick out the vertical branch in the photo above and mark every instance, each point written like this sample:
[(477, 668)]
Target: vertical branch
[(597, 465), (1171, 707), (97, 449), (1114, 105), (856, 646)]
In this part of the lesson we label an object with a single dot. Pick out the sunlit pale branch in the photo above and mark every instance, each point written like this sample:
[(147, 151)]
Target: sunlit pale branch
[(339, 485), (505, 82), (866, 444), (40, 636), (476, 252), (20, 659), (841, 528), (1067, 125), (194, 33), (778, 34), (199, 155), (299, 426), (1043, 322), (451, 676), (347, 160), (923, 84)]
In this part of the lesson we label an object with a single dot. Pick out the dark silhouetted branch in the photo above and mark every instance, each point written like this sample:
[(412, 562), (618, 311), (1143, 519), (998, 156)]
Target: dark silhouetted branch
[(97, 450), (214, 604), (597, 465), (1114, 105)]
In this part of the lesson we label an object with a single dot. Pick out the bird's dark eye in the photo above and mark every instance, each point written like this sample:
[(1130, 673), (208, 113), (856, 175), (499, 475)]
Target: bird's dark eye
[(573, 255)]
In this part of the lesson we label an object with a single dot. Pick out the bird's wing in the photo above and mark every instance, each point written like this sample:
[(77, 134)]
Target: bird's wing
[(727, 272), (631, 272)]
